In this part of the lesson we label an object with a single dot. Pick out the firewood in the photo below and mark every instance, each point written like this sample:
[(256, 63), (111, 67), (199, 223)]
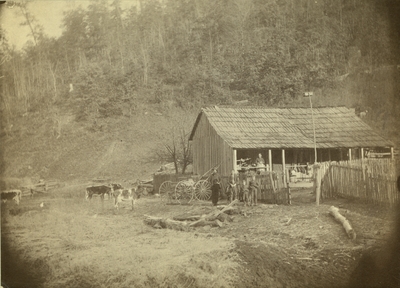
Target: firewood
[(334, 211)]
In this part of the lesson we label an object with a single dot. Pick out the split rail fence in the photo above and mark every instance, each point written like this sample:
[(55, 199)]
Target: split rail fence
[(365, 179)]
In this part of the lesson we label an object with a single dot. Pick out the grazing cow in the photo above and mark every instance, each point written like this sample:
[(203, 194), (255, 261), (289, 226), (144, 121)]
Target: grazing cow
[(100, 190), (130, 195), (15, 195), (115, 187)]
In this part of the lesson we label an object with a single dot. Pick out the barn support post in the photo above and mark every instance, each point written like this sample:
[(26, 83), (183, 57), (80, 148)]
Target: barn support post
[(284, 167), (235, 160), (362, 153), (270, 159), (317, 182), (350, 154), (391, 153)]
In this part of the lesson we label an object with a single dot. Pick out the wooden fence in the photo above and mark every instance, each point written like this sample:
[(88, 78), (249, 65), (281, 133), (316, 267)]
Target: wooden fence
[(366, 179)]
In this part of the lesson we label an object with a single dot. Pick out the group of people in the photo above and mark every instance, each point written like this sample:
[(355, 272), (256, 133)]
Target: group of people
[(246, 192)]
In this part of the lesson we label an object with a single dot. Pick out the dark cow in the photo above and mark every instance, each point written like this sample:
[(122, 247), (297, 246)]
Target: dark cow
[(15, 195), (101, 190), (130, 195)]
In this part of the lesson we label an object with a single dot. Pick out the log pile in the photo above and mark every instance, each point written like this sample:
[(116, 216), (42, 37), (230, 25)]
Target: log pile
[(181, 223)]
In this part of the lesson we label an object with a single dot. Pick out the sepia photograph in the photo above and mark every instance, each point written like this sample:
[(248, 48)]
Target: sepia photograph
[(200, 143)]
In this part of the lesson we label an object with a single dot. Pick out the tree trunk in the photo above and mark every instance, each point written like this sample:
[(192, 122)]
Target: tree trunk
[(334, 211), (165, 223)]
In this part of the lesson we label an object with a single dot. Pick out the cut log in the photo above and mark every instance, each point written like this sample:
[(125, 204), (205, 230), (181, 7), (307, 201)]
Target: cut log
[(187, 217), (204, 222), (165, 223), (213, 215), (175, 225), (334, 211), (223, 217)]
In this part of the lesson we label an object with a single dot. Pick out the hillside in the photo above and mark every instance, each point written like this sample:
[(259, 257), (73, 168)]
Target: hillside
[(103, 98), (121, 148), (125, 147)]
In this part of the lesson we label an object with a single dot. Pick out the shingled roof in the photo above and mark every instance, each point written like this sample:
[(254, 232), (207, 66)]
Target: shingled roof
[(261, 127)]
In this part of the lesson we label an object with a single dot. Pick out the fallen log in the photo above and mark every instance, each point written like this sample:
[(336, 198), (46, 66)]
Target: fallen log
[(334, 211), (204, 222), (187, 217), (166, 223), (213, 215)]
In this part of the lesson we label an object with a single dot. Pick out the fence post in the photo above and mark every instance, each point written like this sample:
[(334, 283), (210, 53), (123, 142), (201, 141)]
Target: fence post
[(317, 182), (283, 167), (270, 159)]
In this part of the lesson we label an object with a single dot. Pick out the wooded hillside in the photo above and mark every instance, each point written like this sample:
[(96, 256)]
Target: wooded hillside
[(165, 56)]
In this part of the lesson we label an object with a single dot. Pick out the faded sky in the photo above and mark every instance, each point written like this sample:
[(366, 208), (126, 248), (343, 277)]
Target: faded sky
[(49, 14)]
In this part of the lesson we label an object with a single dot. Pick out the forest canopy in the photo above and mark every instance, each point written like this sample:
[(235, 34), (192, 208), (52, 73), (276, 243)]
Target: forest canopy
[(191, 53)]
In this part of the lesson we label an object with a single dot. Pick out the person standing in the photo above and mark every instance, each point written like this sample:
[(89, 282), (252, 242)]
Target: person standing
[(215, 188), (260, 160), (232, 189), (253, 187), (215, 176)]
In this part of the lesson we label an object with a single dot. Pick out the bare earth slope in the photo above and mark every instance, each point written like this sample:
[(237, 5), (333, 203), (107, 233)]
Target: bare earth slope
[(119, 148)]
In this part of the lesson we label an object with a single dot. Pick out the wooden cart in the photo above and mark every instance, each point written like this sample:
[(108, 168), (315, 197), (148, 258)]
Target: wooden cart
[(186, 190)]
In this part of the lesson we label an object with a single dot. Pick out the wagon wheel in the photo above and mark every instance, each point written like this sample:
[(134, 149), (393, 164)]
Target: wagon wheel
[(183, 192), (202, 190), (166, 191)]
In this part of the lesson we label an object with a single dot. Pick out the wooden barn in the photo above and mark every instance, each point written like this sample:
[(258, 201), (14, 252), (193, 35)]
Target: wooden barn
[(283, 136)]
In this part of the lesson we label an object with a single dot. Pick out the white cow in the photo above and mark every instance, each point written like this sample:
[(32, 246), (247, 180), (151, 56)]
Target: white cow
[(127, 195)]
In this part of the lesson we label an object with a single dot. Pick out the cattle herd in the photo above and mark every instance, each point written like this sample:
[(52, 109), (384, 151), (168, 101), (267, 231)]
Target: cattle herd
[(115, 191)]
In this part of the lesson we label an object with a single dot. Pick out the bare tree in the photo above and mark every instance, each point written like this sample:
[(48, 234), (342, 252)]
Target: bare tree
[(177, 150)]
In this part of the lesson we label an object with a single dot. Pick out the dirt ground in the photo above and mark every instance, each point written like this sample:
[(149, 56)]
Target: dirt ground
[(70, 242)]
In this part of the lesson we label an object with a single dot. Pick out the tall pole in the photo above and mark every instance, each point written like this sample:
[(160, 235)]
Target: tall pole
[(309, 94)]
